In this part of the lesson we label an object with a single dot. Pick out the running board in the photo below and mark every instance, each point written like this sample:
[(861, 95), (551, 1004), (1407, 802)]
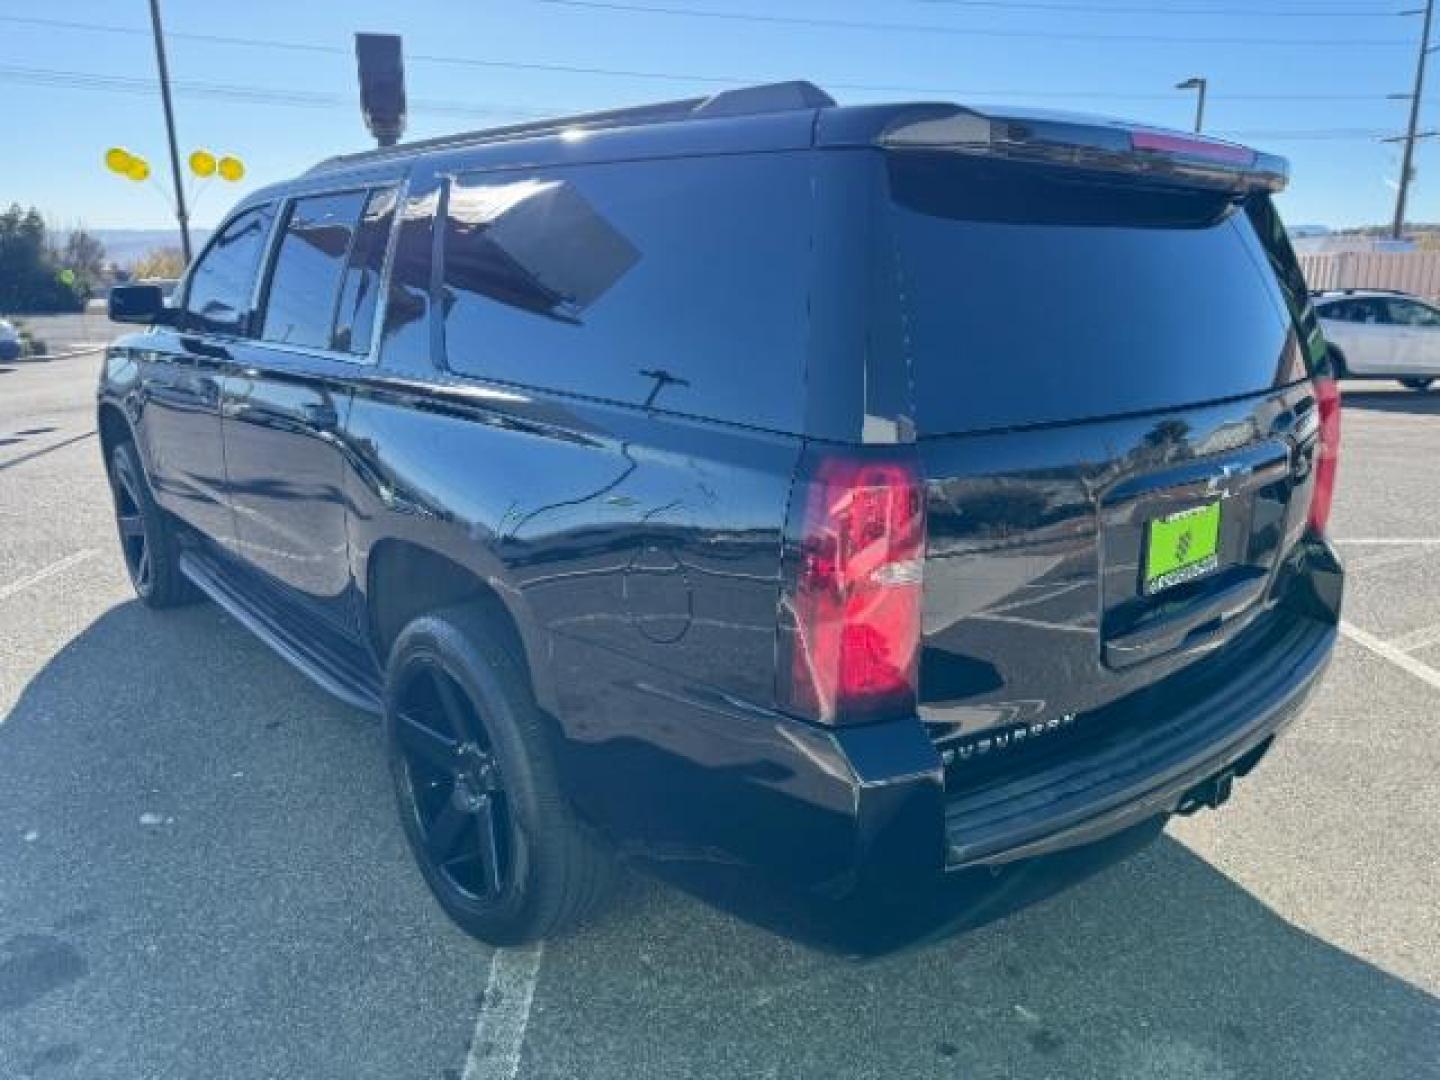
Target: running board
[(347, 681)]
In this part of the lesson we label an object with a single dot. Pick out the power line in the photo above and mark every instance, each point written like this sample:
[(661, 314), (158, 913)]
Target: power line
[(1123, 9), (686, 78), (958, 31), (80, 80)]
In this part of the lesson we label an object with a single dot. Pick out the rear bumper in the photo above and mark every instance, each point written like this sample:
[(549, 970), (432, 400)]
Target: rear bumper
[(1173, 748), (868, 810), (1127, 780)]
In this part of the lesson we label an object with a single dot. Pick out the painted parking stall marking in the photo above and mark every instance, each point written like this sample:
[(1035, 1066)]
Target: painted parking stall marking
[(59, 566), (500, 1028)]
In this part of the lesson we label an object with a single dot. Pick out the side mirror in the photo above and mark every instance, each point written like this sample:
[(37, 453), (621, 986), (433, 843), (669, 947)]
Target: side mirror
[(144, 304)]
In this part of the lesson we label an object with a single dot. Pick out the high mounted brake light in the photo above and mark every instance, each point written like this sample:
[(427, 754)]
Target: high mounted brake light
[(1089, 143), (853, 621), (1164, 142)]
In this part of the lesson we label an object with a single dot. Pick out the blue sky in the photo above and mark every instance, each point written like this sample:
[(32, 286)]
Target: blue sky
[(1305, 78)]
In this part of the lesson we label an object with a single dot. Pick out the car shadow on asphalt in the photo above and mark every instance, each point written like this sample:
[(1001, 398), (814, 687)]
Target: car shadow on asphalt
[(1157, 966), (202, 872), (1396, 401)]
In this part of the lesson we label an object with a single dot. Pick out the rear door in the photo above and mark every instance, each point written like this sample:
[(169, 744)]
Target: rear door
[(1109, 380), (1375, 340), (285, 404), (1419, 325)]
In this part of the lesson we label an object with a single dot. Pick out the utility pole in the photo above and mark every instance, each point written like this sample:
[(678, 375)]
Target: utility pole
[(180, 213), (1200, 84), (1397, 229)]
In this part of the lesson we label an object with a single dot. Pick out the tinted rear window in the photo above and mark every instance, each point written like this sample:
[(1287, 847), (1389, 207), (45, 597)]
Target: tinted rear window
[(1034, 295)]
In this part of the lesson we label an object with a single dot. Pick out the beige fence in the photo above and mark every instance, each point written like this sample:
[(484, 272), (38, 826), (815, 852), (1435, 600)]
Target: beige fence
[(1416, 272)]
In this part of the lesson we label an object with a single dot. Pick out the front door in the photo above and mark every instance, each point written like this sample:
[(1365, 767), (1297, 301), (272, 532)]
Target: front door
[(183, 370)]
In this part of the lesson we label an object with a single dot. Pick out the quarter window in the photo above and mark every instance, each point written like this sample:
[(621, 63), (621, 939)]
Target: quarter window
[(305, 283), (218, 296), (678, 285)]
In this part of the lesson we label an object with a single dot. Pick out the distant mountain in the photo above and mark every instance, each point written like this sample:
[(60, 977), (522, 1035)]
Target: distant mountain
[(124, 246)]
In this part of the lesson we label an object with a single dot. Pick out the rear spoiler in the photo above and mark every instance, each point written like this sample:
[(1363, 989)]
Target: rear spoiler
[(1087, 143)]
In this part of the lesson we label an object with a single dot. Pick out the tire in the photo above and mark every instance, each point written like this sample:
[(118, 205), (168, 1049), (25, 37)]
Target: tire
[(1418, 385), (477, 788), (147, 536)]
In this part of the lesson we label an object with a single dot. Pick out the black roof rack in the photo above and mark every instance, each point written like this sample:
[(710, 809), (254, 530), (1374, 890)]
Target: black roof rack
[(741, 101)]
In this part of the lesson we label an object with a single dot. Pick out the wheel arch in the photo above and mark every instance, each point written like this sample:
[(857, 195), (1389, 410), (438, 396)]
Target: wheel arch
[(113, 428), (404, 580)]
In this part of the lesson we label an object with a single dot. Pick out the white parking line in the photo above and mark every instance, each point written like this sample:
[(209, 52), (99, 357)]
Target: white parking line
[(1403, 660), (59, 566), (500, 1028)]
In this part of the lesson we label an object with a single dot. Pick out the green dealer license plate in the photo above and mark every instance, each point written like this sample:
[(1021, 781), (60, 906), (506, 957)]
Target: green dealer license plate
[(1182, 547)]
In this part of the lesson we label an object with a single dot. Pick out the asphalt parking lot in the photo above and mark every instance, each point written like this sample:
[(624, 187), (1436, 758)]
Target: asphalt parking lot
[(202, 875)]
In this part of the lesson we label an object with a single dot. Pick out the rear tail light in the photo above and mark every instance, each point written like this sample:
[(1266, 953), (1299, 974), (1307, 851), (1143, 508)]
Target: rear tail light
[(1327, 454), (854, 600)]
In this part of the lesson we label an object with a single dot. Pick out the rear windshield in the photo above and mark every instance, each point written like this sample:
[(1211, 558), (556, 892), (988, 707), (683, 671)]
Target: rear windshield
[(1036, 295)]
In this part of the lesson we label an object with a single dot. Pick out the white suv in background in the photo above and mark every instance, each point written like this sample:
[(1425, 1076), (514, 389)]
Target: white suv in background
[(1382, 335)]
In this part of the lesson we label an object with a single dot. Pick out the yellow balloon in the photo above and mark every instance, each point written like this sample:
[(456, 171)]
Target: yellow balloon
[(118, 159), (202, 163), (231, 168), (139, 170)]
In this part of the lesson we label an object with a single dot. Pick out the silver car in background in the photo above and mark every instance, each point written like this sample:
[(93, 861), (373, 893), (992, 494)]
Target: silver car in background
[(1378, 334)]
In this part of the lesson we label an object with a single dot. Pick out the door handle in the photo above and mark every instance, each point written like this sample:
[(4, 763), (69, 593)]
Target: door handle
[(201, 347)]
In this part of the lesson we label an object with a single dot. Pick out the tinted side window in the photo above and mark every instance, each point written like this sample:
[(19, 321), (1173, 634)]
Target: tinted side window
[(405, 339), (300, 304), (1341, 311), (355, 315), (1369, 311), (678, 284), (218, 296)]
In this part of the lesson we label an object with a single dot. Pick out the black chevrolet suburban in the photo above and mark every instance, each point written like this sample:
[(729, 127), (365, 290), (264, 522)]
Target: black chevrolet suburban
[(852, 496)]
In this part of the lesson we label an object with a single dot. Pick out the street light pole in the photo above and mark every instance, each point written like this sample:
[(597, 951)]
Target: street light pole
[(180, 213), (1200, 84), (1397, 228)]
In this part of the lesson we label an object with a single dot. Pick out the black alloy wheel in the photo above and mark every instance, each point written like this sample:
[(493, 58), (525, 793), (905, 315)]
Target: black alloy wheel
[(451, 780), (135, 542), (478, 788)]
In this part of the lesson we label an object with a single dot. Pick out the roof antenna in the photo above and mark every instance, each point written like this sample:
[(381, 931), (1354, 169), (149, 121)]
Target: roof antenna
[(382, 85)]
